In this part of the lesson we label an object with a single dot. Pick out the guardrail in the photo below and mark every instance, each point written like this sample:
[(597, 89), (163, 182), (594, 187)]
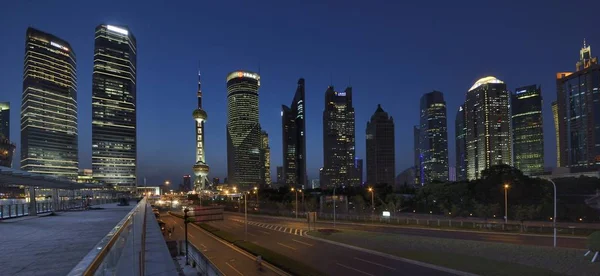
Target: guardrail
[(201, 263), (119, 252), (22, 209)]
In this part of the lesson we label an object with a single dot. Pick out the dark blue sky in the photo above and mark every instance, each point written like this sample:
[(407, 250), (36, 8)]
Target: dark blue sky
[(392, 51)]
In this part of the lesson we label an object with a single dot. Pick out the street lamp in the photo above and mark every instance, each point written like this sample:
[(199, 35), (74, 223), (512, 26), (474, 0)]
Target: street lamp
[(372, 201), (246, 216), (303, 207), (185, 222), (296, 192), (506, 186), (256, 192), (554, 218)]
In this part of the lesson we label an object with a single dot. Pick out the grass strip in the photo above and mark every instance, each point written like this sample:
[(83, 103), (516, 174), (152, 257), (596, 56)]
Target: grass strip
[(472, 264), (283, 262)]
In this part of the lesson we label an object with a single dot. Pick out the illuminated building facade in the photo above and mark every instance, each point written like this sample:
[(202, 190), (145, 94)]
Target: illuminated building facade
[(280, 178), (433, 137), (556, 121), (488, 126), (200, 167), (338, 139), (578, 111), (461, 144), (7, 150), (527, 134), (49, 142), (5, 119), (381, 152), (294, 139), (266, 159), (358, 167), (186, 185), (114, 121), (243, 130)]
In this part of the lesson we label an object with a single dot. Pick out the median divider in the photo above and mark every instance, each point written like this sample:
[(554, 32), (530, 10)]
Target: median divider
[(283, 262)]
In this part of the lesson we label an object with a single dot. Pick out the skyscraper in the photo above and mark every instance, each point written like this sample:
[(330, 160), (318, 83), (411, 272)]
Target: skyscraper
[(243, 130), (294, 139), (488, 126), (461, 144), (266, 159), (381, 151), (49, 107), (5, 119), (338, 139), (527, 134), (186, 186), (200, 167), (433, 141), (578, 111), (556, 122), (280, 176), (114, 105)]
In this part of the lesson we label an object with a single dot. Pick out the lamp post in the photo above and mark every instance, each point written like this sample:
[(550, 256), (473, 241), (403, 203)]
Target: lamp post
[(256, 192), (185, 222), (372, 201), (553, 218), (334, 207), (246, 216), (303, 206), (296, 192), (506, 186)]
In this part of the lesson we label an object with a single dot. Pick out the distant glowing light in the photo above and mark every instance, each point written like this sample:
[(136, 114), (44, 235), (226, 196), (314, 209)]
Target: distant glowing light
[(485, 80), (242, 74), (386, 213), (117, 30), (59, 46), (340, 94)]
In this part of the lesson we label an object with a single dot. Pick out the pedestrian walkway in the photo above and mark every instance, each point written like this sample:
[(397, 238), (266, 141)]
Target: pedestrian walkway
[(53, 245), (289, 230)]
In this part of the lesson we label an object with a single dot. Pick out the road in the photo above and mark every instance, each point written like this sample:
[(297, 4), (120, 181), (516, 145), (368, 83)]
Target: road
[(523, 239), (325, 257), (230, 260)]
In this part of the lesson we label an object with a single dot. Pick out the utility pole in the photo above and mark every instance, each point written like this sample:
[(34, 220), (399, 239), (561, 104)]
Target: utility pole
[(246, 216), (334, 206), (506, 203)]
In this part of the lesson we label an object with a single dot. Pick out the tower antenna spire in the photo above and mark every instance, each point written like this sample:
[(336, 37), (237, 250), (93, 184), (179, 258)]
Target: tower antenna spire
[(583, 42)]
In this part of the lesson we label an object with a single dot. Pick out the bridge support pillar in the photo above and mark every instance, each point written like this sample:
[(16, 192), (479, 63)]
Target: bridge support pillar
[(55, 200), (32, 202)]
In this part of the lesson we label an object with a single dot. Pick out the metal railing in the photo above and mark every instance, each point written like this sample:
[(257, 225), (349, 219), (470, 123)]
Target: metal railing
[(22, 209), (119, 252), (201, 262)]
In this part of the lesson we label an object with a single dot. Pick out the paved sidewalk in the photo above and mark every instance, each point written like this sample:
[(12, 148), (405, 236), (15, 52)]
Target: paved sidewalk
[(53, 245)]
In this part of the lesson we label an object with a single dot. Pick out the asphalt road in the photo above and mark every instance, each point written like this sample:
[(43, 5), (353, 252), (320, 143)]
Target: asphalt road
[(230, 261), (328, 258), (523, 239)]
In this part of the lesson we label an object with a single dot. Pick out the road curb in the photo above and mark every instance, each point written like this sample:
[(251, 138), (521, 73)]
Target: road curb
[(241, 251), (394, 257)]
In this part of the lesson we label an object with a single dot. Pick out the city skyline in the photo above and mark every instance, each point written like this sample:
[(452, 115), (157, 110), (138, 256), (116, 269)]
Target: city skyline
[(366, 85)]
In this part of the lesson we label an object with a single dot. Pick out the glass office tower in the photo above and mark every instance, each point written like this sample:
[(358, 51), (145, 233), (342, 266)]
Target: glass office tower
[(244, 140), (294, 139), (527, 131), (49, 142), (433, 141), (380, 145), (114, 123)]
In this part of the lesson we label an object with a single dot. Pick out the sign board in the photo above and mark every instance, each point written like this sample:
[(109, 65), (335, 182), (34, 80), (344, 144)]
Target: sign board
[(386, 214)]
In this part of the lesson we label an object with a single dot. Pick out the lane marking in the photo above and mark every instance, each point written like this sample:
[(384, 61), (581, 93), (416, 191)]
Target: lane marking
[(305, 243), (391, 268), (360, 271), (234, 268), (287, 246), (203, 245), (296, 231), (264, 232), (254, 235), (191, 235)]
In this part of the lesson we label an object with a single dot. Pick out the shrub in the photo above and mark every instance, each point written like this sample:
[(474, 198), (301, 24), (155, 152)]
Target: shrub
[(594, 241)]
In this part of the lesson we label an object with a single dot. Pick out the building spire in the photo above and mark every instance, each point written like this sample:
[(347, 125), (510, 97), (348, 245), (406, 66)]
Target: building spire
[(584, 43), (199, 88)]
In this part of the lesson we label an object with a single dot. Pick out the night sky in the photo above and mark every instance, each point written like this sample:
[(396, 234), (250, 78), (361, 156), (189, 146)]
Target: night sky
[(391, 52)]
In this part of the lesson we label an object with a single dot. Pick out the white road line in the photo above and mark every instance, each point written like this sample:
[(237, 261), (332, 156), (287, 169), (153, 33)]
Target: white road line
[(360, 271), (254, 235), (191, 235), (234, 269), (286, 246), (295, 231), (264, 232), (203, 245), (391, 268), (305, 243), (285, 230)]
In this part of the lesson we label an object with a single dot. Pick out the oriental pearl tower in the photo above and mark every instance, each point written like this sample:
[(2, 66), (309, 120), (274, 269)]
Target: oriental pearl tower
[(200, 168)]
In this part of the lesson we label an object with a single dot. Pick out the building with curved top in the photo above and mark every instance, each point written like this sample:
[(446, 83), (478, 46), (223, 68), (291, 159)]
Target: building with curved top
[(114, 99), (49, 143), (487, 121), (244, 141)]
